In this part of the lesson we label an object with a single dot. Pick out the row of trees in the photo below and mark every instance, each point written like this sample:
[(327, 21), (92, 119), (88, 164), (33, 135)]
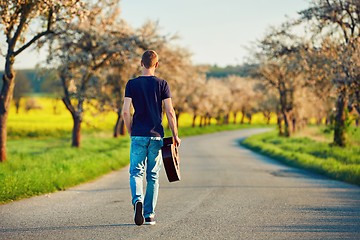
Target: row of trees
[(94, 52), (320, 66)]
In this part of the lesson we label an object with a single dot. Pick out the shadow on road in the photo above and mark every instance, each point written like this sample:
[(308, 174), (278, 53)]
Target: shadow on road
[(65, 228)]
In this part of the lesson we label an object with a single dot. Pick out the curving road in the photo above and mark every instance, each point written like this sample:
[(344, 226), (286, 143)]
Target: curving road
[(226, 192)]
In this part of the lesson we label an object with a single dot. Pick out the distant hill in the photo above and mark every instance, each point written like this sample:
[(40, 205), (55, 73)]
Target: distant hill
[(35, 79), (238, 70)]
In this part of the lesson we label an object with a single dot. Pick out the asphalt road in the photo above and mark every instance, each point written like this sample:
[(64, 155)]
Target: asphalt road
[(226, 192)]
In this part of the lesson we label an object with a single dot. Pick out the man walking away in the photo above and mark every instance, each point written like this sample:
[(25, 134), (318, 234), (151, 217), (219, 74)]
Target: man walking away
[(147, 93)]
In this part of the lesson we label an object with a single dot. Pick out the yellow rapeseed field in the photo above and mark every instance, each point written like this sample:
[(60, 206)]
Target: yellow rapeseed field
[(50, 116)]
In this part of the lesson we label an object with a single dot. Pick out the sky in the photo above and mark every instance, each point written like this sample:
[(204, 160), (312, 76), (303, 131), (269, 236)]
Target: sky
[(214, 31)]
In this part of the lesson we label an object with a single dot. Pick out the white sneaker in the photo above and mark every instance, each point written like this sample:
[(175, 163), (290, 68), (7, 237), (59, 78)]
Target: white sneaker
[(150, 221)]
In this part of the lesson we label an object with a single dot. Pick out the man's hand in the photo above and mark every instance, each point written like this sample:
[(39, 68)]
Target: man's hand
[(177, 141)]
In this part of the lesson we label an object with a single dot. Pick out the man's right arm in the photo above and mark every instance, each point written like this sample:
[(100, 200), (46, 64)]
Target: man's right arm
[(126, 114), (171, 117)]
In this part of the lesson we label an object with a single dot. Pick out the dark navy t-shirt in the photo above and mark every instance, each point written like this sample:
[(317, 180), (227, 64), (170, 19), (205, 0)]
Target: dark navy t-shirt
[(147, 93)]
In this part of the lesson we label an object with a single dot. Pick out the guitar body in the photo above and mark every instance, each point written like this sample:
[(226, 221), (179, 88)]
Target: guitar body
[(171, 159)]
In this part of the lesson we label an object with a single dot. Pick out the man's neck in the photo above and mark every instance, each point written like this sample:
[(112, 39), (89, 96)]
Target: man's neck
[(148, 72)]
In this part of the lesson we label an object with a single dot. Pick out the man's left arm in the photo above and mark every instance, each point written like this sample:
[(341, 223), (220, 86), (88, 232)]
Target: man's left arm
[(127, 114)]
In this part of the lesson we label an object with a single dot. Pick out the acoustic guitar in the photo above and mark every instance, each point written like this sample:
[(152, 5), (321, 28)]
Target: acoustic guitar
[(171, 159)]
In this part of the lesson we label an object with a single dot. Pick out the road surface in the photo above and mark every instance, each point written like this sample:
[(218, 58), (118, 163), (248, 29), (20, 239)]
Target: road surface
[(226, 192)]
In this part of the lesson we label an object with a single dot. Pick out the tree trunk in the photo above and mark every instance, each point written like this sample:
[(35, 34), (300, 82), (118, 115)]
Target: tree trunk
[(201, 121), (218, 120), (193, 121), (285, 111), (117, 128), (327, 121), (207, 120), (17, 105), (5, 100), (122, 128), (242, 117), (267, 116), (340, 120), (77, 119), (279, 123), (3, 136), (76, 134), (226, 119), (294, 125), (250, 118), (318, 121), (235, 115), (357, 107), (286, 124)]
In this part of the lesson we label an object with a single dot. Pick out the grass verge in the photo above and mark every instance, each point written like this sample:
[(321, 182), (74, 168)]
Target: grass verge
[(190, 131), (37, 166), (314, 155)]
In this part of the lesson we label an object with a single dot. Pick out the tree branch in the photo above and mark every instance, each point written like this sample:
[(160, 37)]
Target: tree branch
[(34, 39), (12, 22), (38, 36), (353, 24), (108, 57), (24, 14), (66, 98)]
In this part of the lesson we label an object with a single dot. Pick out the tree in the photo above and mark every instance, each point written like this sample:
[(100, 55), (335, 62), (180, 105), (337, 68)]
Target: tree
[(267, 100), (219, 97), (22, 86), (197, 97), (237, 90), (246, 99), (95, 43), (336, 28), (280, 67), (318, 77), (16, 19)]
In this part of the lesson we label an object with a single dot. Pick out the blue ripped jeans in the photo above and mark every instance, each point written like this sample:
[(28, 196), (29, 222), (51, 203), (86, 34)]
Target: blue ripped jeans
[(145, 155)]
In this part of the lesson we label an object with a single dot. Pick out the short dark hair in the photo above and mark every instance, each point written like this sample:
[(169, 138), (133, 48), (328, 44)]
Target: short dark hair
[(149, 58)]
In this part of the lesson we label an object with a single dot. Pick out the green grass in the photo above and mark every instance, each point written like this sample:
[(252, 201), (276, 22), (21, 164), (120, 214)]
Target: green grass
[(313, 152), (190, 131), (36, 166)]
